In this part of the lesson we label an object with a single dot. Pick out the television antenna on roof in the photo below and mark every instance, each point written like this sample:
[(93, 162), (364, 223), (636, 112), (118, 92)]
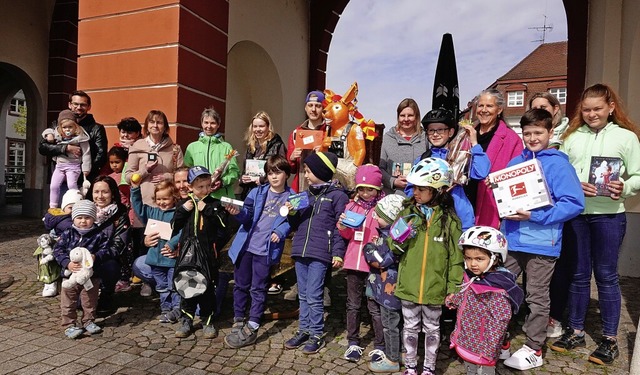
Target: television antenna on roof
[(542, 29)]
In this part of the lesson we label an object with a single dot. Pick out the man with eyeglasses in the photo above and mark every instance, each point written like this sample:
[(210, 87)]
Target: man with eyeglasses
[(80, 105)]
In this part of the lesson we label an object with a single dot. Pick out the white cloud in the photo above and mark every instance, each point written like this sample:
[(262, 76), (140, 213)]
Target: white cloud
[(391, 47)]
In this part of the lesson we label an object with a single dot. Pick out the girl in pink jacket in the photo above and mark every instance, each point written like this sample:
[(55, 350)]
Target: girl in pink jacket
[(358, 225)]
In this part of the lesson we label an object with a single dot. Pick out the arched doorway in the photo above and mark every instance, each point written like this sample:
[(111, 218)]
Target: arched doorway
[(24, 172), (253, 84)]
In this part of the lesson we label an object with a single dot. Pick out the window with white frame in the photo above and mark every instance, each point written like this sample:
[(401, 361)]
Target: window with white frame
[(515, 99), (14, 106), (560, 93)]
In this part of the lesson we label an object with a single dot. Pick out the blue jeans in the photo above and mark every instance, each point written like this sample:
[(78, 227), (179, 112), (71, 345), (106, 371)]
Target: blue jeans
[(251, 274), (169, 298), (598, 241), (143, 271), (392, 323), (310, 274)]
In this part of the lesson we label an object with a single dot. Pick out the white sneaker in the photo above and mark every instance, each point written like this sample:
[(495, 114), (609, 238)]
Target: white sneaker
[(292, 294), (504, 354), (554, 329), (524, 359), (50, 290)]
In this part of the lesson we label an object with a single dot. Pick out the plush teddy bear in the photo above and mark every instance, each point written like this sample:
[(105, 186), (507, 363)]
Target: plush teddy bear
[(45, 242), (82, 277)]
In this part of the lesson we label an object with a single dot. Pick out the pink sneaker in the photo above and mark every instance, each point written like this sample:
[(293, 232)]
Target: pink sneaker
[(122, 286)]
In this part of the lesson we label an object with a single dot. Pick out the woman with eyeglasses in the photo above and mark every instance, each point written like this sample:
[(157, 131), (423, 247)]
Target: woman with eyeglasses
[(440, 126), (401, 145), (500, 143)]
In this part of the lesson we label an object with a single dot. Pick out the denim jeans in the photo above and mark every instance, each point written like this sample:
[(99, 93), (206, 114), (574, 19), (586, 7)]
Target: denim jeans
[(310, 274), (163, 277), (598, 241), (392, 323), (142, 270), (251, 274)]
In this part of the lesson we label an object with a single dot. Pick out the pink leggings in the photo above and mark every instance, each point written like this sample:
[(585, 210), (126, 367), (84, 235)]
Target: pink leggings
[(68, 171)]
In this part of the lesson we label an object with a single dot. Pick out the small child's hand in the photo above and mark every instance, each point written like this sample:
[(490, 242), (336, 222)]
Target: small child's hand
[(74, 266), (201, 205), (448, 301), (340, 225), (233, 210), (337, 262), (188, 205), (520, 215), (275, 238), (487, 182), (50, 138)]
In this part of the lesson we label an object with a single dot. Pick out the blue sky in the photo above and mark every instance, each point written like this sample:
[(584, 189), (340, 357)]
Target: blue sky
[(391, 47)]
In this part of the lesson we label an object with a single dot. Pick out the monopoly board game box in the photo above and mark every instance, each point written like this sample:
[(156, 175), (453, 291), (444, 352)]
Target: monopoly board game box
[(520, 187)]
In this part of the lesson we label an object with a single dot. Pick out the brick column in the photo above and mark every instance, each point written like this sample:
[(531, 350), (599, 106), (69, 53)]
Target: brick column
[(171, 55)]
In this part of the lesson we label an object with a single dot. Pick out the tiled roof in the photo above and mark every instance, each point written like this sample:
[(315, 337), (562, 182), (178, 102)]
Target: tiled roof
[(548, 60)]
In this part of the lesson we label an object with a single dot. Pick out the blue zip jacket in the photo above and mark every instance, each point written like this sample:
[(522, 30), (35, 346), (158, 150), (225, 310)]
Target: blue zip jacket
[(480, 166), (316, 235), (542, 233), (146, 212), (249, 216)]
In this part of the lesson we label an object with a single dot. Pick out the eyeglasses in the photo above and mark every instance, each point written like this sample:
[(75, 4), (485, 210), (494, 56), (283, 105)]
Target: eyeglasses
[(81, 105), (440, 131)]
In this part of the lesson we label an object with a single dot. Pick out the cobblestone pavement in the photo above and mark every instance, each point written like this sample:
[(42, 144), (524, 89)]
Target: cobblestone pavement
[(134, 342)]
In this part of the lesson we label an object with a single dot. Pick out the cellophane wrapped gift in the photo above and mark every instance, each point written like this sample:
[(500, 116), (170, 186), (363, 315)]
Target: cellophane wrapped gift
[(459, 157)]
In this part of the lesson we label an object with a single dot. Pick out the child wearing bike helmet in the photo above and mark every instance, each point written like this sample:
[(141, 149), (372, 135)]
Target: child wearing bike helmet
[(425, 238), (440, 127), (488, 298)]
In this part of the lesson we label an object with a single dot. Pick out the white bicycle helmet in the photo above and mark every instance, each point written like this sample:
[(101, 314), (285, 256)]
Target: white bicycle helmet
[(487, 238), (432, 172)]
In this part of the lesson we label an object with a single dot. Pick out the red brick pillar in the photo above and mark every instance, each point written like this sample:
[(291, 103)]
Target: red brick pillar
[(171, 55)]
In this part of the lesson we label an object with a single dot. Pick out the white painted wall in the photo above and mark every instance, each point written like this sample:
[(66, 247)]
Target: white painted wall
[(613, 57)]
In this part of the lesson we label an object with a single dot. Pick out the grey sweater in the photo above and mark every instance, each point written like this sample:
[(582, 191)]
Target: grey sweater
[(396, 149)]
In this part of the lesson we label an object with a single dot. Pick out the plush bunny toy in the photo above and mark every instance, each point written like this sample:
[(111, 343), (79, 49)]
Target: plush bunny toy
[(82, 277)]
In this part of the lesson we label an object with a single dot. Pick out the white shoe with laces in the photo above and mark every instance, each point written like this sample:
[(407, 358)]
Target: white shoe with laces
[(554, 328), (524, 359)]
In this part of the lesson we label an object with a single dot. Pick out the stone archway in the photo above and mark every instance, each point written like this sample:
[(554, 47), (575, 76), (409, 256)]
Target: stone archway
[(253, 84), (14, 79)]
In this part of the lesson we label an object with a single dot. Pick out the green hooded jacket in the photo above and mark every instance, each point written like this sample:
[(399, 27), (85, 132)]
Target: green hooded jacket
[(210, 152), (431, 264)]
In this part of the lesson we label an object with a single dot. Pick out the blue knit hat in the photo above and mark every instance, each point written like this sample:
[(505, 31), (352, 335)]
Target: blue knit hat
[(322, 165)]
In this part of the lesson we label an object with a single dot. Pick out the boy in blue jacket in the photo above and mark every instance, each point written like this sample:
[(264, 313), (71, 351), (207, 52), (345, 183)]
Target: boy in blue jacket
[(535, 236), (257, 246), (440, 127), (317, 245)]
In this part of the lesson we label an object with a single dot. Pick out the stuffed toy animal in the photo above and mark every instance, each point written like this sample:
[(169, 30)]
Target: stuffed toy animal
[(82, 277), (46, 242)]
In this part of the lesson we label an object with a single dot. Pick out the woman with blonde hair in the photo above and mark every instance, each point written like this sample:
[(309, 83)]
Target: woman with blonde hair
[(262, 142)]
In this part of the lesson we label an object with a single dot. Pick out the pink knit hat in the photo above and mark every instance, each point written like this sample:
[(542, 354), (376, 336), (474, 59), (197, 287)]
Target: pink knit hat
[(369, 175)]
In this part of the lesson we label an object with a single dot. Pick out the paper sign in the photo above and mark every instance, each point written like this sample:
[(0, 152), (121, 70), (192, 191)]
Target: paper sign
[(157, 226)]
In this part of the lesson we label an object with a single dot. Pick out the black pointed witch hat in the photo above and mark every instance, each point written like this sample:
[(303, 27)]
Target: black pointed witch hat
[(445, 86)]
